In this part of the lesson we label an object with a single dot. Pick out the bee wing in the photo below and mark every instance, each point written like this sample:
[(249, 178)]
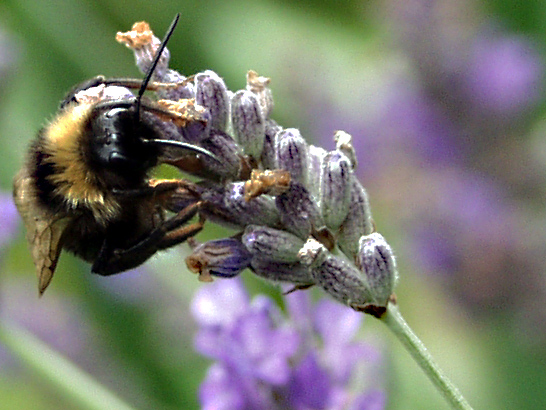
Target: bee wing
[(44, 229)]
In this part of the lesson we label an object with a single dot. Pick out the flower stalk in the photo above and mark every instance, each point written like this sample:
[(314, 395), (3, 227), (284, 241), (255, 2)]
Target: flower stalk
[(398, 325)]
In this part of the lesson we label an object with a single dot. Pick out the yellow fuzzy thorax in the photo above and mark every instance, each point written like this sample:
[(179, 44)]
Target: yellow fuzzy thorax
[(64, 141)]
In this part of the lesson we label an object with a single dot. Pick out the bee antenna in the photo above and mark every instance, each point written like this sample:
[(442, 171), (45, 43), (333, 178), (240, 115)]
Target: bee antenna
[(154, 63)]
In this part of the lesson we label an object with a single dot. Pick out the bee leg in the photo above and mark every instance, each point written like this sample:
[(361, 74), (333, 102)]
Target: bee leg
[(181, 234), (171, 232), (156, 187)]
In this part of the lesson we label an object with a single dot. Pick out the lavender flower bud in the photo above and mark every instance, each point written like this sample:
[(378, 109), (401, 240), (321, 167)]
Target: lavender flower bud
[(291, 151), (228, 207), (222, 257), (299, 212), (335, 189), (196, 131), (269, 159), (358, 222), (260, 87), (376, 259), (248, 123), (183, 112), (145, 44), (273, 244), (294, 273), (226, 150), (182, 90), (211, 92), (344, 143), (314, 169), (337, 277)]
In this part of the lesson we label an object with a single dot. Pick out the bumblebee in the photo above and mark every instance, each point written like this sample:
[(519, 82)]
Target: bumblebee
[(85, 186)]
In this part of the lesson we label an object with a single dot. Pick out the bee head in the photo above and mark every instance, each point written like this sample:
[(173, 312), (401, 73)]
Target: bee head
[(120, 131), (118, 142)]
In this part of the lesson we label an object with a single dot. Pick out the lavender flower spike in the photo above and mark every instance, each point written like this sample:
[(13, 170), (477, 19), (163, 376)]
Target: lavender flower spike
[(264, 360)]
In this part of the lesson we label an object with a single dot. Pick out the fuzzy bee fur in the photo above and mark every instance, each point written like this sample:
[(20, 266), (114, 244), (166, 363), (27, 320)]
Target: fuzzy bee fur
[(85, 186)]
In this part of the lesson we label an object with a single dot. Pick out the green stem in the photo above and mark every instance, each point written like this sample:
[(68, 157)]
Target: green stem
[(396, 323), (69, 380)]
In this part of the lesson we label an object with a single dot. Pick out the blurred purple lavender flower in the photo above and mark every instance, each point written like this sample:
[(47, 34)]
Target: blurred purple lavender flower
[(503, 74), (9, 220), (479, 76), (9, 224), (267, 361), (468, 222), (483, 245)]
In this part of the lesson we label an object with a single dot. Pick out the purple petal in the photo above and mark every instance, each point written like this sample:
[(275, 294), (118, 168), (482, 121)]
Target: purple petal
[(220, 391), (310, 386), (299, 306), (219, 303), (220, 257), (9, 220), (504, 74), (374, 400), (336, 323), (269, 349)]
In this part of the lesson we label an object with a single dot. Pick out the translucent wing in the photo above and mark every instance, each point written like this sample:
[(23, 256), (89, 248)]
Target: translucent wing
[(44, 229)]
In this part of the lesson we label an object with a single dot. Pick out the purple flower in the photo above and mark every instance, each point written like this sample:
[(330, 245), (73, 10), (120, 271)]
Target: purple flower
[(9, 221), (460, 218), (221, 257), (504, 74), (221, 391), (309, 387), (264, 360), (337, 327), (242, 334), (374, 400)]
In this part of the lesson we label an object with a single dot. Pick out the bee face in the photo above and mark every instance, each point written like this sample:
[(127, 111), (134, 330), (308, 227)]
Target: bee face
[(113, 146)]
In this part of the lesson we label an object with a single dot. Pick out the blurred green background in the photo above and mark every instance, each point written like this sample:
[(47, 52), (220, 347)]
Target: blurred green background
[(447, 114)]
